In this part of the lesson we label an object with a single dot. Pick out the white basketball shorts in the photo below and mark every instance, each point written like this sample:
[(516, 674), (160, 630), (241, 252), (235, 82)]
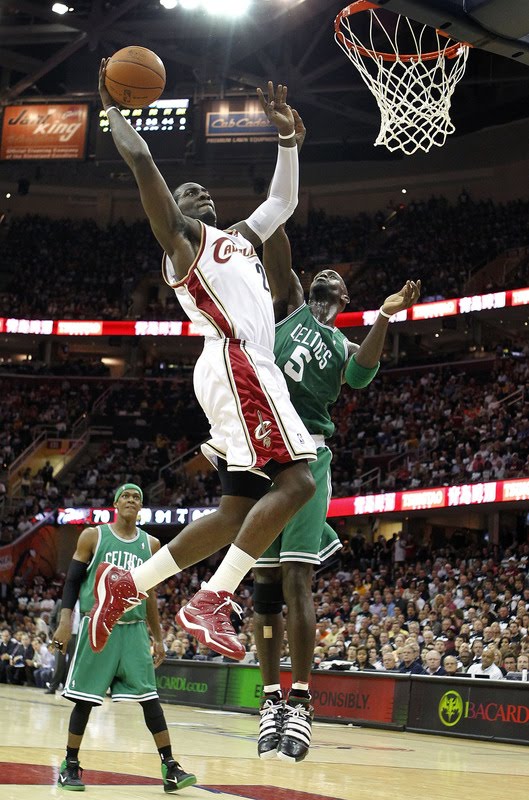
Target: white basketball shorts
[(245, 398)]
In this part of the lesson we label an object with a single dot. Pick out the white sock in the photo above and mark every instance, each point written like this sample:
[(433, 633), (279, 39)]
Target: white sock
[(271, 688), (300, 686), (155, 570), (234, 566)]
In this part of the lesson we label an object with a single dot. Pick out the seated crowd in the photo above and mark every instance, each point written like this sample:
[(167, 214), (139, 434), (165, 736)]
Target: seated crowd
[(440, 426), (448, 612), (88, 272)]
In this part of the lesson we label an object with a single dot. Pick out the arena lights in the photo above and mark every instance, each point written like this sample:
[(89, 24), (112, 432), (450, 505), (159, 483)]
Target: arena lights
[(218, 8)]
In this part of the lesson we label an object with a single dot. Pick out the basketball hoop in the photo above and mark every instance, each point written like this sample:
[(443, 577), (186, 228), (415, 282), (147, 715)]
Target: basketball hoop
[(413, 91)]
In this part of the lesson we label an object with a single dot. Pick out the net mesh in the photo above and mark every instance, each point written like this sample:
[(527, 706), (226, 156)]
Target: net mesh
[(413, 93)]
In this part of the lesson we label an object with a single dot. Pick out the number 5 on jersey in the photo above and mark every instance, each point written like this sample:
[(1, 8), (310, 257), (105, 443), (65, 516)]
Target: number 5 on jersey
[(296, 363)]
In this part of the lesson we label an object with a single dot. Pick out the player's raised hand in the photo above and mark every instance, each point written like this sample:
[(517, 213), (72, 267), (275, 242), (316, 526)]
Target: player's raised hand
[(407, 297), (276, 108), (106, 99)]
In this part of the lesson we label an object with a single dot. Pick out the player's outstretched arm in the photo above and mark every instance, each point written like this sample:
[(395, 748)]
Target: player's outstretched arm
[(283, 194), (364, 362), (176, 233), (287, 292)]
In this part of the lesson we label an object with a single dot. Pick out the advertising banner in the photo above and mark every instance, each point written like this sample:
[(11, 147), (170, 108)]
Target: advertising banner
[(474, 708), (40, 131), (335, 695), (128, 327), (192, 683), (228, 127)]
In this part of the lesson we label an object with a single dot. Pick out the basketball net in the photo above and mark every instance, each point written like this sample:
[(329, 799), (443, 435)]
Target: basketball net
[(413, 92)]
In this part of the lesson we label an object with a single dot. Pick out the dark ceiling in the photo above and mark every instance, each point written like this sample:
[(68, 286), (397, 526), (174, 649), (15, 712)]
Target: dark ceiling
[(46, 55)]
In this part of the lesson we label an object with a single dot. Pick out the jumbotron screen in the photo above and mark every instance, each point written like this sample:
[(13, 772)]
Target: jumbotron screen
[(163, 125)]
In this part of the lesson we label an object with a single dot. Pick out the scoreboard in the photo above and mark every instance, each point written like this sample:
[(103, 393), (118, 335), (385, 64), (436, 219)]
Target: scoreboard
[(163, 125)]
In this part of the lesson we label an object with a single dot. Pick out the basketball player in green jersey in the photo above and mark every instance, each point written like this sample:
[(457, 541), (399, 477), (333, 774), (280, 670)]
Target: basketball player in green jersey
[(126, 666), (316, 359)]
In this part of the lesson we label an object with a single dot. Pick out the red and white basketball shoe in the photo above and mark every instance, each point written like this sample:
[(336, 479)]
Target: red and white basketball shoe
[(115, 592), (207, 618)]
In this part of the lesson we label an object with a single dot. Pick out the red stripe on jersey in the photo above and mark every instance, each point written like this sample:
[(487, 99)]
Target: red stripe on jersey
[(262, 428), (165, 258), (208, 304)]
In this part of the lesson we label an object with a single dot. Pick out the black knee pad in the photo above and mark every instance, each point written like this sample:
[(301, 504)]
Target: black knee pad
[(79, 717), (154, 716), (268, 598)]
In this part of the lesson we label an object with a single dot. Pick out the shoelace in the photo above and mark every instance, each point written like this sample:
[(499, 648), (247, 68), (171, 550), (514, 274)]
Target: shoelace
[(300, 711), (229, 602), (271, 714)]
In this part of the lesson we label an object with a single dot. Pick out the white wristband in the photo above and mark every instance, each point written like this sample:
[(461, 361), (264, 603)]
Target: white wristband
[(388, 316), (287, 136), (112, 108)]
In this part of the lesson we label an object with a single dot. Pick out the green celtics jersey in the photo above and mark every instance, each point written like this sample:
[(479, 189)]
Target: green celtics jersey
[(124, 553), (312, 357)]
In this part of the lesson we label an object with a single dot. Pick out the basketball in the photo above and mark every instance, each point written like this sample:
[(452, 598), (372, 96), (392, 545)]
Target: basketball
[(135, 77)]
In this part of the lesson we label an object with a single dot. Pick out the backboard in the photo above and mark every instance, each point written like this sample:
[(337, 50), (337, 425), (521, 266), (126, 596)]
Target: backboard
[(499, 26)]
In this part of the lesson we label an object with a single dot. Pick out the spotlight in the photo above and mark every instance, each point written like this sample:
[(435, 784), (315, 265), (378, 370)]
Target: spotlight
[(169, 3), (8, 195), (59, 8), (227, 8)]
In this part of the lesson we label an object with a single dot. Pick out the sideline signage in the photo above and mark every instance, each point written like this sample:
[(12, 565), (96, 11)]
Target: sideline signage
[(471, 707), (375, 699), (192, 683)]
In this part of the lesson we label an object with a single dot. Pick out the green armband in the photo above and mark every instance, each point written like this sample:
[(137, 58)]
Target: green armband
[(358, 377)]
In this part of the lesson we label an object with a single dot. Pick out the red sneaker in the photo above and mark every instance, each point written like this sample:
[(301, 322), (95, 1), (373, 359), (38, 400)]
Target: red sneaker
[(207, 618), (115, 593)]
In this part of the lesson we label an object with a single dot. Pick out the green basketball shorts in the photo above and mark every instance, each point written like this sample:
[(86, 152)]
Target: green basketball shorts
[(307, 537), (125, 666)]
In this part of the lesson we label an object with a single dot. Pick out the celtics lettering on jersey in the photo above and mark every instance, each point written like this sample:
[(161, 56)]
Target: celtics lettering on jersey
[(124, 553), (123, 560), (312, 357)]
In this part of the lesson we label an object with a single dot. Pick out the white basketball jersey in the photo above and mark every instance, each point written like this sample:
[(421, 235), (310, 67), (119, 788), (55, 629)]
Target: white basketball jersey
[(225, 293)]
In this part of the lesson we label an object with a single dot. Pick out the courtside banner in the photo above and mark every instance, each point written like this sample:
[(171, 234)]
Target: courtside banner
[(192, 683), (39, 131), (477, 708), (378, 699)]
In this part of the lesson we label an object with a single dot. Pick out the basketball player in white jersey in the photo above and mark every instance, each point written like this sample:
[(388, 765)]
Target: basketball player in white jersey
[(255, 430)]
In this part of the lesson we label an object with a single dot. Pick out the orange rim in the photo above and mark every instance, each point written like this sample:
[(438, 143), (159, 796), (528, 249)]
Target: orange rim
[(365, 5)]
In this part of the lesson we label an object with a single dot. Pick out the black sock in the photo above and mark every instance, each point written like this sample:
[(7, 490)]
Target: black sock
[(72, 754), (166, 753), (299, 694), (275, 696)]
